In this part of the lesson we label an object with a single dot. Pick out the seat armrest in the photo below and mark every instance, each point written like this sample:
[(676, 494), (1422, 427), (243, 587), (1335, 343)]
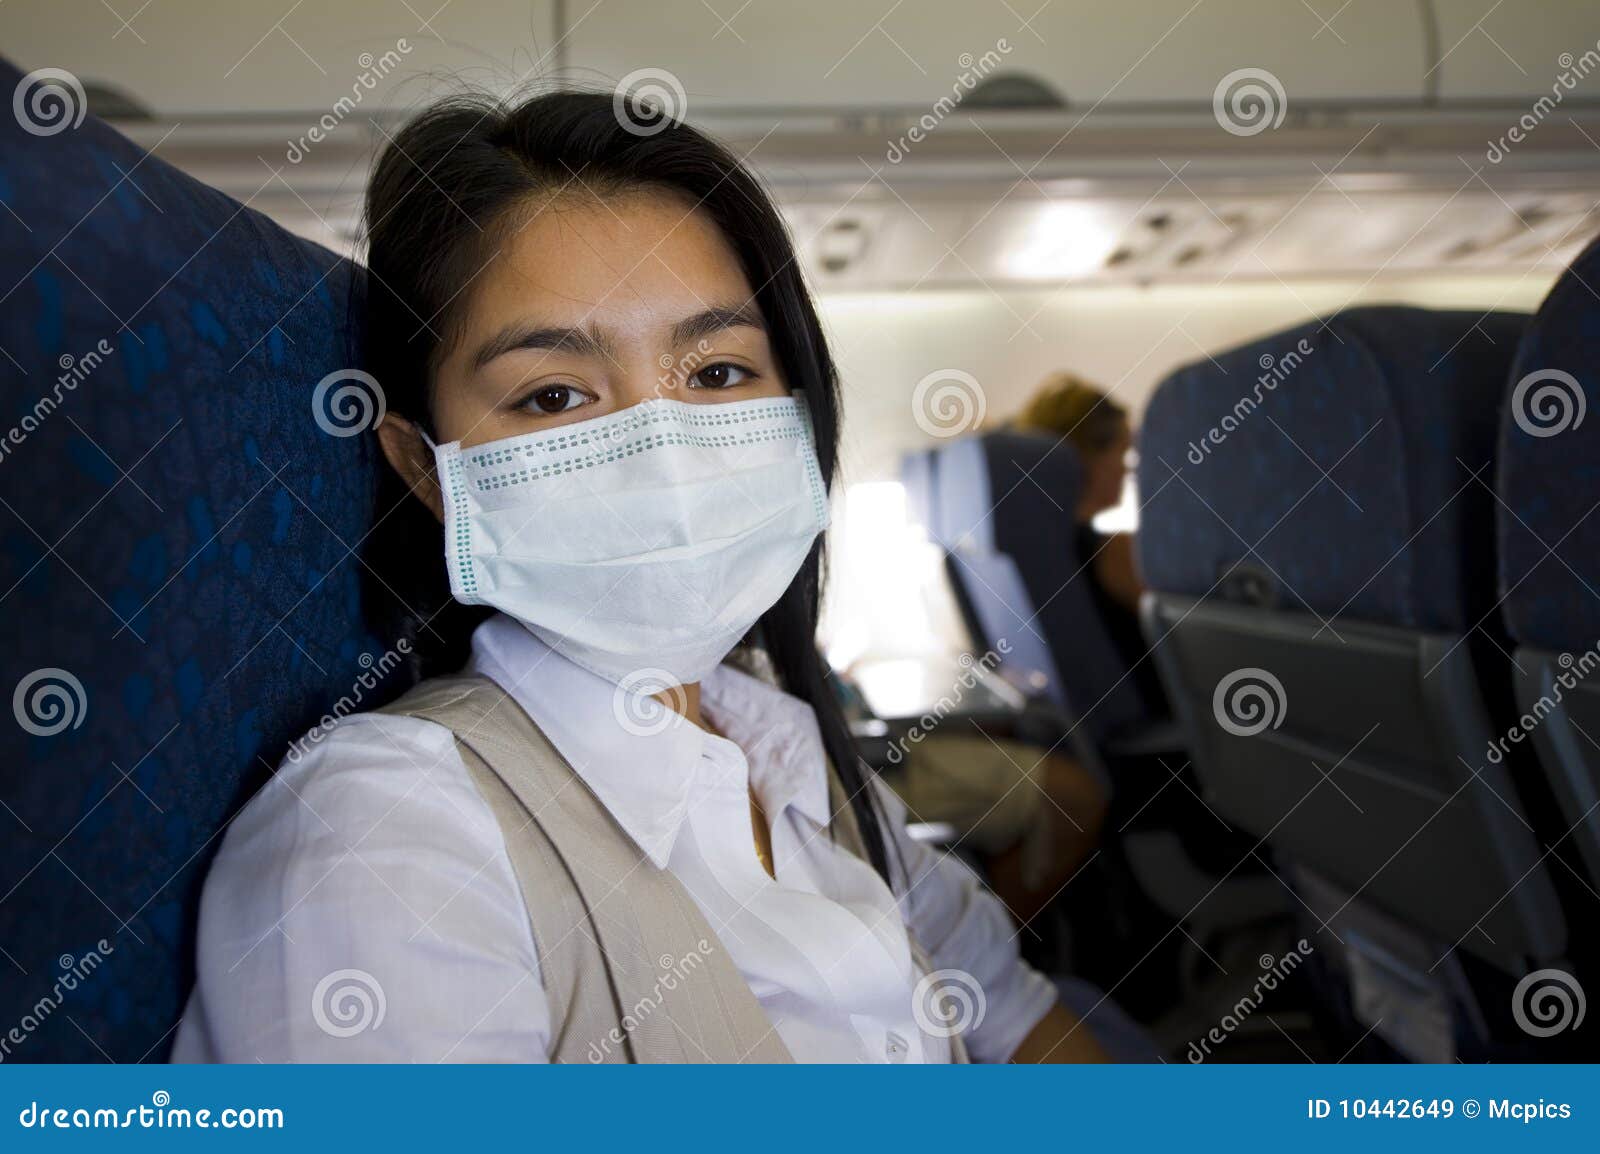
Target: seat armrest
[(1155, 738)]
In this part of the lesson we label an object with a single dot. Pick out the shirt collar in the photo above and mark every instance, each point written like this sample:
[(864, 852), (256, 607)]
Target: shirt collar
[(639, 758), (779, 736)]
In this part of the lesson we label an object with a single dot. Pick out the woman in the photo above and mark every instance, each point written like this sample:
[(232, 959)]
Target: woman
[(595, 842), (1069, 408)]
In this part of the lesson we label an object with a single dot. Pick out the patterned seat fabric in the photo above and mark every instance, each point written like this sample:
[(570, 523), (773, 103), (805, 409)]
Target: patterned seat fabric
[(1549, 479), (180, 594), (1343, 467)]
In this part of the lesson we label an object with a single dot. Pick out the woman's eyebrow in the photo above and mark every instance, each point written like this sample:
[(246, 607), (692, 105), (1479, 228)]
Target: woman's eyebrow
[(583, 342), (714, 320)]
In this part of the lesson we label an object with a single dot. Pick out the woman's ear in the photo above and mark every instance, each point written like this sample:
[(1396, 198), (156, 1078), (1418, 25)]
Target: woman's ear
[(410, 456)]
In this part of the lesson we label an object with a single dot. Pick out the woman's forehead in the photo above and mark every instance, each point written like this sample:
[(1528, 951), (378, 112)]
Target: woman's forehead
[(627, 263)]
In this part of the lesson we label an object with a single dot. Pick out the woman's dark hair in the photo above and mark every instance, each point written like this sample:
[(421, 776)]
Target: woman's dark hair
[(446, 192)]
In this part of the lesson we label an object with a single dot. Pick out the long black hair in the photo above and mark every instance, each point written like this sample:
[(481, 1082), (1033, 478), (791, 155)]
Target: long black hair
[(442, 196)]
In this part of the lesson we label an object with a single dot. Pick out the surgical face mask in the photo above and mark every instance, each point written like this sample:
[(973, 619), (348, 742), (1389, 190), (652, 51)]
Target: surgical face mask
[(642, 544)]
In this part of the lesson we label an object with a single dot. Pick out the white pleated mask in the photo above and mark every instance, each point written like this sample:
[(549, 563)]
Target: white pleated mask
[(643, 544)]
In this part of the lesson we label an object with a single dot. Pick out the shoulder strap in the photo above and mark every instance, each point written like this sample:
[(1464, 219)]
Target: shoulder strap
[(630, 965)]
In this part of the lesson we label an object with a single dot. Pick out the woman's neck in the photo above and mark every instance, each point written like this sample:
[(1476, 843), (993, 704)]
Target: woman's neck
[(685, 700)]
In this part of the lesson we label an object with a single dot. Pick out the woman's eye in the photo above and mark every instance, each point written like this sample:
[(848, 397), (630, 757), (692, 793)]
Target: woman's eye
[(720, 376), (553, 399)]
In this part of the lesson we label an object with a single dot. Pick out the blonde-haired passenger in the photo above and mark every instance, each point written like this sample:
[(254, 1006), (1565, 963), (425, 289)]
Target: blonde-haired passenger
[(1068, 407)]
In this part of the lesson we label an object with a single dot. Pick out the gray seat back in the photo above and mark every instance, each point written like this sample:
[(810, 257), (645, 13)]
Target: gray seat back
[(1324, 608)]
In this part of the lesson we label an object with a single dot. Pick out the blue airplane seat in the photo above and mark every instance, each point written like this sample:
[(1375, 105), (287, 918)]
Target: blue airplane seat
[(181, 593), (1323, 590), (1549, 534), (1259, 462), (945, 490), (1000, 504)]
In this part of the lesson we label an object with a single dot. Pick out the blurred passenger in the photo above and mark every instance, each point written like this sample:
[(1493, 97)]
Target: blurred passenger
[(1031, 817), (1068, 407)]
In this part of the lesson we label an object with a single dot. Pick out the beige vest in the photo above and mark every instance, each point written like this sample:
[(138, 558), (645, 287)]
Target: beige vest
[(632, 970)]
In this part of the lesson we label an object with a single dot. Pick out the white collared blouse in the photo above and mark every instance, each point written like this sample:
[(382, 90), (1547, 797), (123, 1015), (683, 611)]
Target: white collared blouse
[(362, 906)]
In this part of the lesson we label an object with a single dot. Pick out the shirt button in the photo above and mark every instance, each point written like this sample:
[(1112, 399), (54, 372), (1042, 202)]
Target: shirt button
[(895, 1049)]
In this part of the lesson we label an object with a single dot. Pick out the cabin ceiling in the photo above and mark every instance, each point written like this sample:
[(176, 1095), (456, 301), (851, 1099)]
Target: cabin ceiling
[(970, 144), (1018, 199)]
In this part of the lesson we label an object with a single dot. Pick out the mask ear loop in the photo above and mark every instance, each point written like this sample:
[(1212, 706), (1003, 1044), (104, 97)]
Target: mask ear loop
[(433, 451), (453, 562)]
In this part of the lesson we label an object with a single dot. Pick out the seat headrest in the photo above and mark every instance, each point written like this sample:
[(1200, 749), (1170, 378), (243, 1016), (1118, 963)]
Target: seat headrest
[(1549, 480), (1003, 505), (1035, 480), (1341, 467), (178, 535), (954, 490), (952, 494)]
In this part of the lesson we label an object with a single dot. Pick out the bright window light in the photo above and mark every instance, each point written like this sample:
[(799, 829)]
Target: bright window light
[(1123, 517), (882, 568), (900, 688)]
